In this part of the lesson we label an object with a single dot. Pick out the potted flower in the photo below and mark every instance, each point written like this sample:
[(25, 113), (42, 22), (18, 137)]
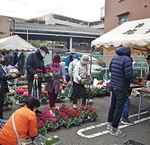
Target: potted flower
[(50, 121), (41, 128), (62, 93), (67, 117), (88, 113), (45, 76), (7, 101), (52, 140), (22, 80), (44, 96), (21, 95)]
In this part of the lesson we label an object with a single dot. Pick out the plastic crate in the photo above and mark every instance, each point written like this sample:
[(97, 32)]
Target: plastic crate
[(40, 140), (132, 142)]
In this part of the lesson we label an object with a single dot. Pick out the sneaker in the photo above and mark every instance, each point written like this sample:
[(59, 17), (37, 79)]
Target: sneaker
[(117, 133), (75, 106), (127, 122), (109, 126)]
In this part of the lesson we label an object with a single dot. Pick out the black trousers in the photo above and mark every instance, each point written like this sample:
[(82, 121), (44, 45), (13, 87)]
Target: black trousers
[(79, 91), (1, 105), (21, 69)]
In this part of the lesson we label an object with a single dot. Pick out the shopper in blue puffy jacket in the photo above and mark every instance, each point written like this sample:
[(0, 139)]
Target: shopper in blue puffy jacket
[(121, 75)]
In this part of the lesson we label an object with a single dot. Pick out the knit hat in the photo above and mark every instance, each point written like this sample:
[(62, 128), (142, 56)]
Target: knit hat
[(148, 57), (72, 50), (85, 59), (44, 48), (56, 59)]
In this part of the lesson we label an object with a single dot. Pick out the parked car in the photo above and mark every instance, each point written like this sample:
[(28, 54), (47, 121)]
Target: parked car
[(141, 67), (97, 71)]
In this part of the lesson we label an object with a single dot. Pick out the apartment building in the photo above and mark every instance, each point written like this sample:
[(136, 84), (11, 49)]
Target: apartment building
[(120, 11)]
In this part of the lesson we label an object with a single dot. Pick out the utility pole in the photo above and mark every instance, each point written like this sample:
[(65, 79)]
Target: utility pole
[(12, 24)]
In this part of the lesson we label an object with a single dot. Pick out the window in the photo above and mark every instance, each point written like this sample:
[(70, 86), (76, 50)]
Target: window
[(120, 1), (123, 19)]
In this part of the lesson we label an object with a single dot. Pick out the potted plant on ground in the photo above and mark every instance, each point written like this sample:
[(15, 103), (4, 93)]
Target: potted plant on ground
[(88, 113)]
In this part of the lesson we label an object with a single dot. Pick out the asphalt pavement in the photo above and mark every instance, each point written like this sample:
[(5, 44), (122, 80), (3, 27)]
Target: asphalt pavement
[(95, 133)]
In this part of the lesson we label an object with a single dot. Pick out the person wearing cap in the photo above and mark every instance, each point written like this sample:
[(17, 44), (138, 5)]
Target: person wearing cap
[(67, 62), (35, 61), (53, 86), (3, 85), (121, 76), (81, 71)]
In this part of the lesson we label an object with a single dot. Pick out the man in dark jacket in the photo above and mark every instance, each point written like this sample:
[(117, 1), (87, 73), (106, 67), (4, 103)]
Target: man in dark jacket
[(121, 75), (8, 59), (3, 86), (34, 62), (21, 61)]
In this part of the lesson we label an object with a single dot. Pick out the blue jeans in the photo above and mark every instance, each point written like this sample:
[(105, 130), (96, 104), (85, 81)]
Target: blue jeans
[(125, 113), (118, 99)]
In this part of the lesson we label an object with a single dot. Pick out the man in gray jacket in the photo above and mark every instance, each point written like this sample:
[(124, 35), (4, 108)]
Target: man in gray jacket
[(81, 72)]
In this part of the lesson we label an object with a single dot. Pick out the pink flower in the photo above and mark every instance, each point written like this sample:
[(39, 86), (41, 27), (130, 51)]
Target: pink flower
[(44, 92), (26, 94), (69, 84), (60, 88)]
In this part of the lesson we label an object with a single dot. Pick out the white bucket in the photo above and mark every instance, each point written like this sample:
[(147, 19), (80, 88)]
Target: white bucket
[(148, 84)]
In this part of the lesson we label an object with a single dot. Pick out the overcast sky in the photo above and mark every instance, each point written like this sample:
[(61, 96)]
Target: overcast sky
[(89, 10)]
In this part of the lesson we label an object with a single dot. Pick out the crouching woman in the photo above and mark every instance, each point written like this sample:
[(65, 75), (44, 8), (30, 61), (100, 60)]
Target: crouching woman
[(25, 122)]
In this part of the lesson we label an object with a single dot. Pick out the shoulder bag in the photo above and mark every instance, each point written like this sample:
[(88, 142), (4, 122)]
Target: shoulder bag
[(20, 140)]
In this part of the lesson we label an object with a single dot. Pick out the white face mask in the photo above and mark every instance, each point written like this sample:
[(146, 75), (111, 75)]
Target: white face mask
[(43, 55)]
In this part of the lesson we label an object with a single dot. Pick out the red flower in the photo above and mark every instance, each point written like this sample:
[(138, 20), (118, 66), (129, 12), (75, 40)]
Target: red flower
[(48, 70), (39, 70), (99, 83), (40, 124), (60, 88), (44, 92)]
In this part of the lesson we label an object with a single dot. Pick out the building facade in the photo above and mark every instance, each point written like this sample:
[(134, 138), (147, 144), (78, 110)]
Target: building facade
[(6, 23), (67, 32), (56, 19), (120, 11)]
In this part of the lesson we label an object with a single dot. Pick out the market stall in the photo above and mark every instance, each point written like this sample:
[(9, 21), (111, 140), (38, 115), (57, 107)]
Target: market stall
[(15, 43), (138, 32)]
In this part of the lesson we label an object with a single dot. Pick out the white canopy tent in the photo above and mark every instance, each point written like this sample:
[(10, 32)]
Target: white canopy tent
[(15, 43), (138, 32)]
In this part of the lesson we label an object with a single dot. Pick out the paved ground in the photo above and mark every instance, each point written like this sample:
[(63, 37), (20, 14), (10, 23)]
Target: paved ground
[(95, 133)]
